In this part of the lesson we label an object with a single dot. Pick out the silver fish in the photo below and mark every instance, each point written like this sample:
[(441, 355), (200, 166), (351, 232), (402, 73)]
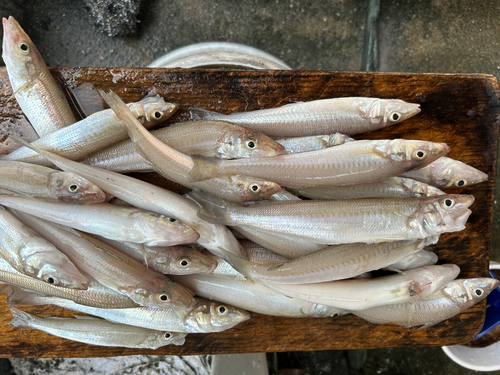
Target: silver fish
[(96, 331), (362, 294), (110, 221), (393, 187), (34, 87), (446, 172), (206, 316), (334, 263), (219, 139), (47, 184), (352, 163), (248, 295), (32, 255), (325, 116), (95, 132), (335, 221), (457, 296)]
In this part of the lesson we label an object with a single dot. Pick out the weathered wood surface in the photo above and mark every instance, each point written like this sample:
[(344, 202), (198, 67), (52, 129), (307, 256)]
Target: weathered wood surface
[(461, 110)]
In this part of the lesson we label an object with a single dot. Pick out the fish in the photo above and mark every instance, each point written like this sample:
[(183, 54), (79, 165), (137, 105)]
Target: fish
[(339, 221), (216, 139), (392, 187), (453, 299), (352, 163), (110, 221), (313, 143), (30, 254), (448, 173), (173, 260), (333, 263), (97, 131), (348, 116), (47, 184), (113, 268), (251, 296), (206, 316), (96, 331), (362, 294), (33, 85)]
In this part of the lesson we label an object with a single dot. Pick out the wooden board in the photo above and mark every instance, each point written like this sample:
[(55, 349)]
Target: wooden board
[(461, 110)]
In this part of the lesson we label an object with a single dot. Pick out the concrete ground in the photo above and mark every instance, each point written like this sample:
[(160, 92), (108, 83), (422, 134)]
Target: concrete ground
[(406, 36)]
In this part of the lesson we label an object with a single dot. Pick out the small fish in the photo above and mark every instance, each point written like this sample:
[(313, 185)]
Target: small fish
[(47, 184), (362, 294), (219, 139), (206, 316), (249, 295), (352, 163), (34, 87), (338, 221), (96, 331), (110, 221), (325, 116), (97, 131), (32, 255), (456, 297), (392, 187), (446, 172)]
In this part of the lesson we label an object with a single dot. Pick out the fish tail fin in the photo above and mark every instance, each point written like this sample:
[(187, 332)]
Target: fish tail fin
[(21, 319), (204, 114), (18, 296), (241, 265), (214, 208)]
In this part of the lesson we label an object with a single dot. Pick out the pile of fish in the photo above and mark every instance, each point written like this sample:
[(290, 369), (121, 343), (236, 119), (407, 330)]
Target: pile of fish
[(280, 226)]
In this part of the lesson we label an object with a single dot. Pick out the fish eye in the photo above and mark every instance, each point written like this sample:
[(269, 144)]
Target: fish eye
[(24, 47), (255, 188), (158, 115), (394, 117), (448, 202), (420, 155), (167, 335), (164, 297), (461, 183), (172, 219), (251, 143), (222, 310), (50, 280), (336, 314), (73, 188), (478, 292), (184, 262)]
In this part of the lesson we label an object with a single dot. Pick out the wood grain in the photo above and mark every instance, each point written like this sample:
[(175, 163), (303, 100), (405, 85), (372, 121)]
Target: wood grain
[(461, 110)]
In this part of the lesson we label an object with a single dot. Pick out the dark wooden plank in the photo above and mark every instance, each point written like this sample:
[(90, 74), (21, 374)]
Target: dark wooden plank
[(461, 110)]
